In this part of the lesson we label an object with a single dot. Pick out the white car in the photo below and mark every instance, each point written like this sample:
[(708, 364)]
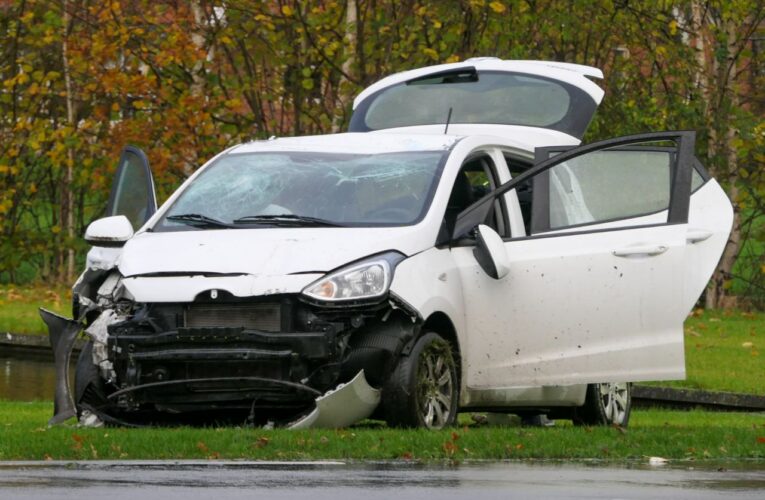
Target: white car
[(456, 251)]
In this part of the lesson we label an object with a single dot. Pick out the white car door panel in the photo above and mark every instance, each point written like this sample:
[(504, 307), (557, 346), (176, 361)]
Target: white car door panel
[(601, 288), (614, 318), (710, 219)]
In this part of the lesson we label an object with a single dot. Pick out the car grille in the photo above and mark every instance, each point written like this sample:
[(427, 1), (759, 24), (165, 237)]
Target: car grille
[(265, 317)]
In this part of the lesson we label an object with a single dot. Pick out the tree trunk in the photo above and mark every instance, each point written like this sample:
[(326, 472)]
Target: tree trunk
[(351, 19), (717, 290), (67, 200)]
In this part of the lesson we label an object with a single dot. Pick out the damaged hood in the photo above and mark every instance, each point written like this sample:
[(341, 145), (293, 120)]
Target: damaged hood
[(262, 252)]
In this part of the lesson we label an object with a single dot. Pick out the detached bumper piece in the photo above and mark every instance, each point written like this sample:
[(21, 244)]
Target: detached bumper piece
[(201, 369), (62, 333)]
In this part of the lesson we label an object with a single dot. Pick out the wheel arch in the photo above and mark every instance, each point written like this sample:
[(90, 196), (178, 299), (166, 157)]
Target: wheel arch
[(440, 323)]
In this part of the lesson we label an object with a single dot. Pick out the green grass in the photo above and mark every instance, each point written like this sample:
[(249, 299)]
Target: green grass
[(18, 307), (723, 352), (693, 435)]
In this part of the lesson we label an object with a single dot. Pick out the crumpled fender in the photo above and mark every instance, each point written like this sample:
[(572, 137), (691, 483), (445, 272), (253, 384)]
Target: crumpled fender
[(342, 406), (62, 333)]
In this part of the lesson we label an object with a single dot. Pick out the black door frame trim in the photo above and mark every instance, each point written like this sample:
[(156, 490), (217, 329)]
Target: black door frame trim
[(681, 186)]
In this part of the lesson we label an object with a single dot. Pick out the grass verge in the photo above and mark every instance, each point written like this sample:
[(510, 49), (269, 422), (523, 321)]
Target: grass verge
[(18, 307), (722, 352), (669, 434)]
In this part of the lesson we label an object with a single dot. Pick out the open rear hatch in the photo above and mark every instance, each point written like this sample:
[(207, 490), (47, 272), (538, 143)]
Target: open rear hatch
[(483, 95)]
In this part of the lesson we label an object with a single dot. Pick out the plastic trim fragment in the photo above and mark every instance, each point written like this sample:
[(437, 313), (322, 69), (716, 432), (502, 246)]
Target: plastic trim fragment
[(342, 406), (63, 333)]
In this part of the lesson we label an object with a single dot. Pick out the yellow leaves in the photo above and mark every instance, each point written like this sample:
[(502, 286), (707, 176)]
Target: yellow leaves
[(115, 107), (55, 229), (673, 27), (287, 10), (437, 24), (497, 7), (430, 53)]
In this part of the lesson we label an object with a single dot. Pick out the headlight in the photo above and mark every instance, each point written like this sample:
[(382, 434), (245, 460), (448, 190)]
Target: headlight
[(367, 279)]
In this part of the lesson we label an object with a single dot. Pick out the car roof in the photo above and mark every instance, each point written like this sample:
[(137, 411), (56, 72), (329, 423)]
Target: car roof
[(351, 142)]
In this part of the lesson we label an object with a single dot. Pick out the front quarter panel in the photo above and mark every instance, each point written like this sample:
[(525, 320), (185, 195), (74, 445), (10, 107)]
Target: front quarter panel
[(430, 283)]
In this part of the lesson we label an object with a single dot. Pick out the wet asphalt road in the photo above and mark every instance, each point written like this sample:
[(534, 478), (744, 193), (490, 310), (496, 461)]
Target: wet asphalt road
[(335, 480)]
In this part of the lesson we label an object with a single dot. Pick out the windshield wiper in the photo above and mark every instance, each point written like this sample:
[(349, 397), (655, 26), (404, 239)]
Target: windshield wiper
[(198, 220), (286, 220)]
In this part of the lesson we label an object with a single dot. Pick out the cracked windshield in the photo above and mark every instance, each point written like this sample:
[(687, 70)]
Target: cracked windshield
[(308, 188)]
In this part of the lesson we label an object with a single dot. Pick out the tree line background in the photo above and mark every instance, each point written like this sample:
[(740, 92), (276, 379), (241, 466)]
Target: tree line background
[(80, 79)]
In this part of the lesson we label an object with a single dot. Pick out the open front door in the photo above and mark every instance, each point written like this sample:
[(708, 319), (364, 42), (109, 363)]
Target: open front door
[(597, 290), (132, 193), (133, 196)]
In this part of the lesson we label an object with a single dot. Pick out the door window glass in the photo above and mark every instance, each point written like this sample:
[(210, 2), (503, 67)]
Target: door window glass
[(604, 186), (475, 180), (132, 192)]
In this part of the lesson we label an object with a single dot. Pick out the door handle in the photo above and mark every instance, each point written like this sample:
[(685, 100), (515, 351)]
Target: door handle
[(641, 251), (697, 235)]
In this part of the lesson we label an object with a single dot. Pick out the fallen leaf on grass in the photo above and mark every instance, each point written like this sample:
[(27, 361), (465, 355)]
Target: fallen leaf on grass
[(656, 461), (78, 440), (406, 455), (260, 442), (747, 344), (449, 448), (761, 439)]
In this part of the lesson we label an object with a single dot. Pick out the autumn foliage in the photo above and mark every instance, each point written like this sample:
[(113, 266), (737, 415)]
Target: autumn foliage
[(185, 80)]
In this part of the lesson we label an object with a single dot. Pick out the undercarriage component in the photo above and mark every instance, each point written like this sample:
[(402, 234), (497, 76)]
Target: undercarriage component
[(62, 333), (343, 406)]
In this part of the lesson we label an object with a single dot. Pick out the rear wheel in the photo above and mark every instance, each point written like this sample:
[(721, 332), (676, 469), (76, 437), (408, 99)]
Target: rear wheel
[(609, 403), (423, 390)]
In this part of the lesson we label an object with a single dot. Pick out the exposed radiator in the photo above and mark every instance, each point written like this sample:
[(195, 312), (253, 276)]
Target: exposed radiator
[(266, 317)]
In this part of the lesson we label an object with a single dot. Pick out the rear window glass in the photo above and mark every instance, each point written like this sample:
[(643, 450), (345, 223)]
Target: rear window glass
[(488, 98)]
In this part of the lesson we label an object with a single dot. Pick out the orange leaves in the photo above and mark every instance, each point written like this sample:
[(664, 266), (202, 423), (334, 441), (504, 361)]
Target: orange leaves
[(211, 455)]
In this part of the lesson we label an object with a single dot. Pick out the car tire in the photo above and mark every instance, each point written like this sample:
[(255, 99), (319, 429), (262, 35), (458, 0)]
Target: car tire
[(423, 390), (608, 403)]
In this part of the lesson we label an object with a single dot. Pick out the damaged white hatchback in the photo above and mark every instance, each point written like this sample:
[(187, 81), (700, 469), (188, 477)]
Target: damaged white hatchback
[(456, 251)]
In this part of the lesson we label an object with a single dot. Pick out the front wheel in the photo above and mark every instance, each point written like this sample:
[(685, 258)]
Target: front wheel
[(423, 390), (609, 403)]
